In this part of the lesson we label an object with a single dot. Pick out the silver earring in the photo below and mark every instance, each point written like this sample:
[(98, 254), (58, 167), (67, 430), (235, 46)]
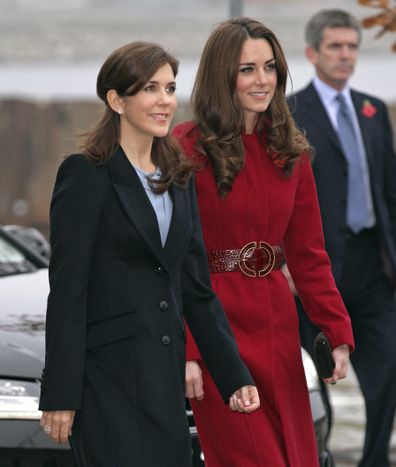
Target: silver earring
[(120, 112)]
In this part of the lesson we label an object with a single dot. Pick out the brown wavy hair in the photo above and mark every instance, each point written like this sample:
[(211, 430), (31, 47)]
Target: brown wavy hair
[(126, 71), (218, 110)]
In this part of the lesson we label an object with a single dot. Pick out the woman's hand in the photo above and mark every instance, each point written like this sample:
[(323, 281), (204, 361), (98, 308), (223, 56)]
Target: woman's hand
[(194, 382), (341, 359), (245, 399), (57, 424)]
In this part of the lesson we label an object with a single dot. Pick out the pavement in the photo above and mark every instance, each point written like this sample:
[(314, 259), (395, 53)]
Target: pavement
[(348, 424)]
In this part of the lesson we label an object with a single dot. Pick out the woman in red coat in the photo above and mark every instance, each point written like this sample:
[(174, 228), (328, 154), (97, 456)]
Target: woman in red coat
[(258, 208)]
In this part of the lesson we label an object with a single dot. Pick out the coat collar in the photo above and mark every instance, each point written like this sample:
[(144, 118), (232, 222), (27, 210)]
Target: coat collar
[(319, 115), (140, 211), (320, 118)]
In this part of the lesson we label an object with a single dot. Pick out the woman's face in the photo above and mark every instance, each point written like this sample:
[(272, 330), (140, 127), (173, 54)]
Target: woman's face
[(256, 79), (150, 111)]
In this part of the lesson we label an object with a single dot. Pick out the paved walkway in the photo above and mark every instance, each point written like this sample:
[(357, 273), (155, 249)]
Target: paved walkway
[(348, 429)]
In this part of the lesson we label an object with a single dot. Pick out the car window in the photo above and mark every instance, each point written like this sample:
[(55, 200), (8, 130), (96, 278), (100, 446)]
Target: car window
[(12, 261)]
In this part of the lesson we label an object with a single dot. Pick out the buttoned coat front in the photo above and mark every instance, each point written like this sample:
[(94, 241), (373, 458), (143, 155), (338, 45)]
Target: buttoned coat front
[(115, 340)]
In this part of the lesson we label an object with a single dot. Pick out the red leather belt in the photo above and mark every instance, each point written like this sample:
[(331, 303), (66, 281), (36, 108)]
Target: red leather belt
[(255, 259)]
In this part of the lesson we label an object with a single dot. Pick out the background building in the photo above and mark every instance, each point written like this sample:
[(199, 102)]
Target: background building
[(51, 50)]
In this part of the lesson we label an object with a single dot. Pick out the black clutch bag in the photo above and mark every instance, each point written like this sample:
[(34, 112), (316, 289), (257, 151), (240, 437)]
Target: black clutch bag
[(323, 356)]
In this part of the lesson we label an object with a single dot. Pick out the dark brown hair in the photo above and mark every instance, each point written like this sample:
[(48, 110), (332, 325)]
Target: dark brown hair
[(126, 71), (219, 113)]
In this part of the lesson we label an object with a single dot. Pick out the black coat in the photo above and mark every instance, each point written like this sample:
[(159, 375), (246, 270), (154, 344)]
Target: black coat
[(115, 339), (330, 170)]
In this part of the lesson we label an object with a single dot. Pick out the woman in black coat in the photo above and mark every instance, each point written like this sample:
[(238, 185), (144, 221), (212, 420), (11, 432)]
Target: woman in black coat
[(128, 263)]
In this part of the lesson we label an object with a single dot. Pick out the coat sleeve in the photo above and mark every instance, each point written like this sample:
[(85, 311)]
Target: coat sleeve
[(206, 318), (182, 132), (309, 263), (74, 219), (389, 171)]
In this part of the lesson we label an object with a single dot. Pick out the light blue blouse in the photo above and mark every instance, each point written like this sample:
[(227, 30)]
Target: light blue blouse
[(162, 203)]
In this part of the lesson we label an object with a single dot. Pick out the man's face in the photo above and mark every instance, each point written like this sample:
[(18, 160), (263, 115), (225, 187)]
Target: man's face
[(336, 58)]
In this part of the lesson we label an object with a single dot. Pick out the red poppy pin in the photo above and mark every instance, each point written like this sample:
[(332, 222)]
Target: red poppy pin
[(368, 109)]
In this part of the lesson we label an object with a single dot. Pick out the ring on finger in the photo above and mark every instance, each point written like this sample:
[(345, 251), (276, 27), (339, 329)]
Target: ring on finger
[(47, 429)]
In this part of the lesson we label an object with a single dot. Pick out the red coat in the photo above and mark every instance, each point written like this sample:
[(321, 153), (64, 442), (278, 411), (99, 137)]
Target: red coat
[(264, 204)]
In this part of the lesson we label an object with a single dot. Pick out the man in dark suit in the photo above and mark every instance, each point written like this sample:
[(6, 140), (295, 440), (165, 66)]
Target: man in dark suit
[(355, 172)]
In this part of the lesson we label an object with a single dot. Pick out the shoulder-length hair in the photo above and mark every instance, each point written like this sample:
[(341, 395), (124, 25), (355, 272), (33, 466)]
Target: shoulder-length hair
[(218, 110), (126, 71)]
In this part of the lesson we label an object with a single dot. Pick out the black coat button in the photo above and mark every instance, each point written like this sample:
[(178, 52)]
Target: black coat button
[(165, 340), (160, 270), (163, 305)]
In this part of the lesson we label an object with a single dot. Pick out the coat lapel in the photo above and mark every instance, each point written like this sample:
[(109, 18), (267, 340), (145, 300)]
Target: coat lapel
[(365, 125), (178, 232), (135, 201), (318, 115)]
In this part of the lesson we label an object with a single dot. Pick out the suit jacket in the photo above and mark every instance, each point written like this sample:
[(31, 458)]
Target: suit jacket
[(330, 170), (115, 339)]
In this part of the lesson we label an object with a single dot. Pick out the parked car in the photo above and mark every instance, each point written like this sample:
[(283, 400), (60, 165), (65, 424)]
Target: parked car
[(23, 292), (31, 237), (23, 295)]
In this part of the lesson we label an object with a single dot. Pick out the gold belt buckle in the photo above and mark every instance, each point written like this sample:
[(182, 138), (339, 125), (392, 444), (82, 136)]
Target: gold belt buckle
[(246, 253)]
